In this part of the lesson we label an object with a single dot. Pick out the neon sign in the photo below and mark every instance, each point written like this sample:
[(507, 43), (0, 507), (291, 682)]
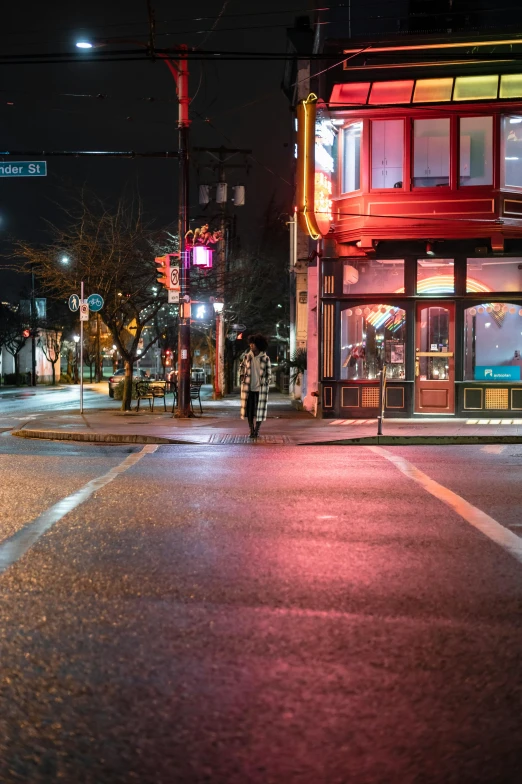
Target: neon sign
[(315, 165)]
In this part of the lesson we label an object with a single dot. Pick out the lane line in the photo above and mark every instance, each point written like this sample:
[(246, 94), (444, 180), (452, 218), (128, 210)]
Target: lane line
[(12, 549), (487, 525)]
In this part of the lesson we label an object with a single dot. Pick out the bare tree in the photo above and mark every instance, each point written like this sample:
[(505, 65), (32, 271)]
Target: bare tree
[(13, 335), (50, 341), (112, 251)]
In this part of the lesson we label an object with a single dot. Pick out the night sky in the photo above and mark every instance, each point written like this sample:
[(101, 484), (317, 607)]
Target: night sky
[(42, 106)]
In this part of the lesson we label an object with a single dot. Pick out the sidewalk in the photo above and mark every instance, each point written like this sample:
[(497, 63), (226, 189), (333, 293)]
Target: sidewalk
[(220, 424)]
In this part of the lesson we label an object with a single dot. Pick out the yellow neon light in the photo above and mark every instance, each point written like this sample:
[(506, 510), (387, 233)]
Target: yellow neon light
[(416, 47), (305, 205)]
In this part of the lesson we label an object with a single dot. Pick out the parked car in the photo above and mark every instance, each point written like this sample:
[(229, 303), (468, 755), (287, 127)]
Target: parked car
[(115, 379)]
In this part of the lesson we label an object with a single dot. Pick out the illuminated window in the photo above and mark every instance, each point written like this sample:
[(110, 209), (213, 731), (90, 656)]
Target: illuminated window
[(352, 158), (391, 92), (435, 276), (378, 276), (472, 88), (511, 152), (476, 151), (387, 153), (356, 93), (430, 90), (511, 86), (372, 336), (494, 274), (431, 152), (493, 342)]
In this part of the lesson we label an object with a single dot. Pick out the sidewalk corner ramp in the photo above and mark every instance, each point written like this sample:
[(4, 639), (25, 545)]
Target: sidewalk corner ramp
[(428, 440), (98, 438)]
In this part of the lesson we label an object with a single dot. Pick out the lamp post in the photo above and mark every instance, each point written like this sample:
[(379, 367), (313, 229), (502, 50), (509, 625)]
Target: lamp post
[(179, 71), (219, 353), (76, 339)]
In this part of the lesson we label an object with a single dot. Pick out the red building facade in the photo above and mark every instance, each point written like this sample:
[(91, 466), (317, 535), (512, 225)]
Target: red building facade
[(421, 226)]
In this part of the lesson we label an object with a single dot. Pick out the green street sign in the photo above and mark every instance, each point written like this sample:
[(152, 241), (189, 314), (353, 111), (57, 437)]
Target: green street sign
[(23, 169)]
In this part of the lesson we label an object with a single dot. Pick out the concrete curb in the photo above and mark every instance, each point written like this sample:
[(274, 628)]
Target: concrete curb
[(132, 438), (99, 438), (416, 440)]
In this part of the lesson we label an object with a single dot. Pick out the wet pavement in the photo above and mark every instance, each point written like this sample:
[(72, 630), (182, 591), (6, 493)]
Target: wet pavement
[(221, 613)]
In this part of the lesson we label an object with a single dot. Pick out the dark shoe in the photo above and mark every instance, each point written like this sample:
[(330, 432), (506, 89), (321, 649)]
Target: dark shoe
[(252, 432), (256, 431)]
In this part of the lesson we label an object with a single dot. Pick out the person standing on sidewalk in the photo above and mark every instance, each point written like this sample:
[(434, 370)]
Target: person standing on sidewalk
[(256, 376)]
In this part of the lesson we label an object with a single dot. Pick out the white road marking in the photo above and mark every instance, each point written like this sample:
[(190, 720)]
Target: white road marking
[(493, 449), (12, 549), (474, 516)]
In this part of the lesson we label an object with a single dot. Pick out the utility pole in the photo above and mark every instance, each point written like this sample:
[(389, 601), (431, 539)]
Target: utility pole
[(183, 225), (33, 332), (220, 157)]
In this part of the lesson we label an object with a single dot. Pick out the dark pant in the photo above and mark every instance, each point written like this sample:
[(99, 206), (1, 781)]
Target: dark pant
[(251, 407)]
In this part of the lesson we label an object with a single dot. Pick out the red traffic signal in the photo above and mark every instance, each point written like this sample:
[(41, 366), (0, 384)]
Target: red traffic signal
[(26, 333), (163, 270)]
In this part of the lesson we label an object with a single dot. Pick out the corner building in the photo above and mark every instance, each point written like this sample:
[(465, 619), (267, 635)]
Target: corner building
[(420, 268)]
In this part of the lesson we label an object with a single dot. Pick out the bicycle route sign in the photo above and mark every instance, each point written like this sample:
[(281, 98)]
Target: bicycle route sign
[(95, 302)]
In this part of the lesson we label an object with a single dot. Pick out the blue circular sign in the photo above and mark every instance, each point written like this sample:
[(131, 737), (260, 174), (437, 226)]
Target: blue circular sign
[(74, 302), (95, 302)]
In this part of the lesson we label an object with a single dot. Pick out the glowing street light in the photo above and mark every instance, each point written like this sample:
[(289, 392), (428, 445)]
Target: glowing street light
[(65, 259), (84, 45)]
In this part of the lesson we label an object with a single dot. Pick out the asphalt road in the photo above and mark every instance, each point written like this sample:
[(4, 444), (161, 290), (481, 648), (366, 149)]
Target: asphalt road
[(24, 401), (259, 614)]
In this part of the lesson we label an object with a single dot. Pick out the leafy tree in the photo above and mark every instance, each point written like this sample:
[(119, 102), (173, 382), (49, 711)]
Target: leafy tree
[(112, 251)]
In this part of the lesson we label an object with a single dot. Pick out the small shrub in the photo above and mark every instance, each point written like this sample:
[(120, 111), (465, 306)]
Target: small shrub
[(118, 391)]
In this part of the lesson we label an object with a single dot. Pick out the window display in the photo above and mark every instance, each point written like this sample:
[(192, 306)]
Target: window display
[(493, 342), (387, 153), (373, 277), (372, 336), (511, 152), (431, 153), (476, 151), (496, 274), (352, 158), (435, 276)]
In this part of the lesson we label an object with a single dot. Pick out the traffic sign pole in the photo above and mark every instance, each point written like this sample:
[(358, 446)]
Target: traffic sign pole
[(81, 350)]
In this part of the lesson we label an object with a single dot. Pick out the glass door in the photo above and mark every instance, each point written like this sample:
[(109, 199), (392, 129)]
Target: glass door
[(435, 358)]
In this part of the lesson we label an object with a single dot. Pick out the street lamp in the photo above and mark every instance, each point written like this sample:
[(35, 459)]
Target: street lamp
[(76, 339), (219, 358), (179, 71), (65, 259)]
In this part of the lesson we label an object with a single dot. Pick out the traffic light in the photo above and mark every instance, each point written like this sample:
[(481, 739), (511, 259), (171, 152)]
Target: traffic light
[(163, 271)]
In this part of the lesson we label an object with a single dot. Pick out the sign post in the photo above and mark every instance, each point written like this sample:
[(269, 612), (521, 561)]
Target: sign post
[(93, 302), (84, 316)]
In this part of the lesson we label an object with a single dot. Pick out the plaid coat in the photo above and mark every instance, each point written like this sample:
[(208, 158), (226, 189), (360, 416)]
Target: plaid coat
[(266, 380)]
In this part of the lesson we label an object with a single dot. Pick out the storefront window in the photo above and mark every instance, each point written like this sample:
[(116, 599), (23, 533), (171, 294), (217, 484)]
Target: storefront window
[(494, 275), (512, 152), (373, 277), (431, 152), (372, 336), (435, 276), (476, 151), (493, 342), (352, 158)]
